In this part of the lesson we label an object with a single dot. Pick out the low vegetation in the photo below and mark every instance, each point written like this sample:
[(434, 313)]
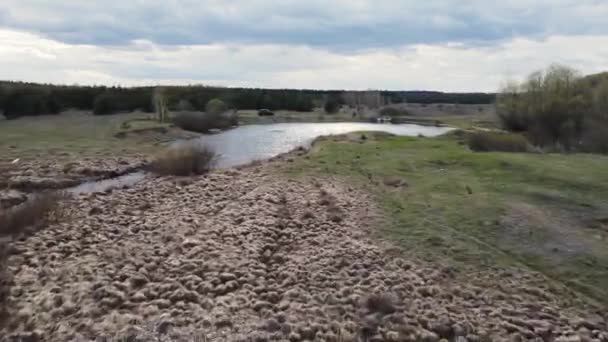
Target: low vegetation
[(217, 116), (204, 122), (497, 141), (480, 210), (393, 112), (186, 160), (5, 281), (28, 217), (557, 108)]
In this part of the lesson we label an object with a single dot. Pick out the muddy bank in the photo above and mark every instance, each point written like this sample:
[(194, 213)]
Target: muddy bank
[(247, 255), (18, 179), (63, 171)]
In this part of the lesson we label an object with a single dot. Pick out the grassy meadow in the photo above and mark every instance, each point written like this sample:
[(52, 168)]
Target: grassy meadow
[(445, 203), (79, 133)]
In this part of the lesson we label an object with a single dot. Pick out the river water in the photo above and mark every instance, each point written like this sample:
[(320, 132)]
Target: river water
[(258, 142), (245, 144)]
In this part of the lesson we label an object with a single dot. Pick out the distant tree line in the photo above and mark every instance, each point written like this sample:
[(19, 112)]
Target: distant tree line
[(429, 97), (21, 99)]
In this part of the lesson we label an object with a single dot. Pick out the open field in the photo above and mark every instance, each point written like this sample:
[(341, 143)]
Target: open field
[(479, 210), (74, 132), (90, 135), (59, 151), (366, 237)]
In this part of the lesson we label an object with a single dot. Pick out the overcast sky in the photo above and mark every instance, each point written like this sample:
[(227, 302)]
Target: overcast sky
[(466, 45)]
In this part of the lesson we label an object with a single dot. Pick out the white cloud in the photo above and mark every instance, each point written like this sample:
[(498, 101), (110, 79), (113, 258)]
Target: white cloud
[(335, 25), (450, 67)]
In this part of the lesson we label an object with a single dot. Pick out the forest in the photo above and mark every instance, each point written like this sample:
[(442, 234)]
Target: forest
[(25, 99)]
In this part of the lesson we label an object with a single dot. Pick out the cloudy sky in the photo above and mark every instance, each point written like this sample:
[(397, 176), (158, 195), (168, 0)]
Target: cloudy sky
[(466, 45)]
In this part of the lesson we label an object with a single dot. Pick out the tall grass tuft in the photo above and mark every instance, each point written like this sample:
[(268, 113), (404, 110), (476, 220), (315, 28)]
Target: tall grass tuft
[(185, 160), (497, 141), (5, 281), (25, 218)]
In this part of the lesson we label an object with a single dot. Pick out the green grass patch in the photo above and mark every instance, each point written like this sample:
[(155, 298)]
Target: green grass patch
[(481, 209), (73, 132)]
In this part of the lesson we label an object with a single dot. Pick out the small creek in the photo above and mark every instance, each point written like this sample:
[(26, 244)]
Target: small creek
[(245, 144)]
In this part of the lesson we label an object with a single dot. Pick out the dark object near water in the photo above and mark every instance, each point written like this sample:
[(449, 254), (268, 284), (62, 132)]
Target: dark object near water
[(265, 112)]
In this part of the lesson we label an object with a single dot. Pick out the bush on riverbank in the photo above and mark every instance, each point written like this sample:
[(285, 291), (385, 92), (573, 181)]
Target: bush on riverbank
[(497, 141), (557, 109), (184, 161), (204, 122)]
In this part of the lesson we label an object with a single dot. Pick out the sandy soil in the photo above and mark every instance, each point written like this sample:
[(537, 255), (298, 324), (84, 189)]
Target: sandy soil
[(249, 256)]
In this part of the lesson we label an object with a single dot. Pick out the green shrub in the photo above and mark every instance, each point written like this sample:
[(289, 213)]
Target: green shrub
[(550, 106), (497, 141), (187, 160), (216, 106)]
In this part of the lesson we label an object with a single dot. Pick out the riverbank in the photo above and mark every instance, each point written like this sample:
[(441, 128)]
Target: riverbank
[(60, 151), (444, 203), (256, 254)]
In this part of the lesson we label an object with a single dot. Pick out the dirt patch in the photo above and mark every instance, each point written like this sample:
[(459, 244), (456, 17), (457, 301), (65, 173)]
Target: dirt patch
[(554, 235), (247, 255), (395, 182)]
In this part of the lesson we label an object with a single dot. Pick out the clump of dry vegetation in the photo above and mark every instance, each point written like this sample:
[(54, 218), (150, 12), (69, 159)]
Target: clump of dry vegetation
[(29, 216), (334, 212), (497, 141), (34, 213), (380, 303), (5, 281), (187, 160)]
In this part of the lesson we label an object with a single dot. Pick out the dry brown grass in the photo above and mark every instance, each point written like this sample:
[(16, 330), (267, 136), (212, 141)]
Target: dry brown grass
[(380, 303), (32, 214), (5, 280), (184, 161), (27, 217)]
